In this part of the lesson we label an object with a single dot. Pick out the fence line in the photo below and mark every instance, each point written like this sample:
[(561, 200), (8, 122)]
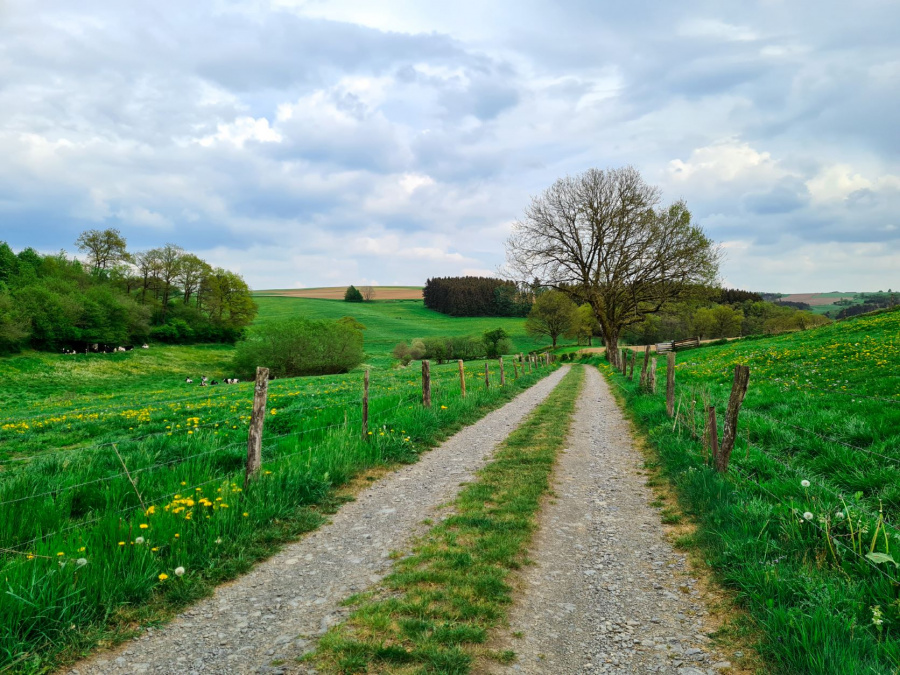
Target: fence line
[(405, 399), (133, 439)]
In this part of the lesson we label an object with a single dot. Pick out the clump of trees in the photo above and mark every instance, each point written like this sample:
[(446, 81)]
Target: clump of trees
[(296, 346), (490, 344), (116, 297), (352, 294), (476, 296)]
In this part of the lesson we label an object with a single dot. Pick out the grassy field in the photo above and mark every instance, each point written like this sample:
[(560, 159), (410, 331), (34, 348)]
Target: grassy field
[(388, 322), (804, 527), (86, 556)]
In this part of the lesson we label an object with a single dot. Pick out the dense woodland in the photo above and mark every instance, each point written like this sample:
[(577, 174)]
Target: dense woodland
[(117, 298), (476, 296)]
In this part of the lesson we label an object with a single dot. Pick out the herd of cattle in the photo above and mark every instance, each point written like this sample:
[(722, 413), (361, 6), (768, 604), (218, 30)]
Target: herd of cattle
[(96, 348), (205, 382)]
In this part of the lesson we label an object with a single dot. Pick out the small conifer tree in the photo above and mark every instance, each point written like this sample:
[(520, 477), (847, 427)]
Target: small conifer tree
[(353, 294)]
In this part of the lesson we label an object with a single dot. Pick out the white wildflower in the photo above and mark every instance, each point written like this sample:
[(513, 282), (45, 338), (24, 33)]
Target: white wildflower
[(807, 515), (179, 571), (804, 483), (81, 562), (138, 540), (839, 515)]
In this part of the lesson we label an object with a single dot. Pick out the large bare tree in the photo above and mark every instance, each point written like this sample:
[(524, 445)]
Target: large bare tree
[(602, 238)]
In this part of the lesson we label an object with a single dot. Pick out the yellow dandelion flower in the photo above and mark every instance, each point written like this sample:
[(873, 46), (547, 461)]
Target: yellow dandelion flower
[(246, 514), (163, 576), (60, 553), (121, 543), (82, 549), (143, 526)]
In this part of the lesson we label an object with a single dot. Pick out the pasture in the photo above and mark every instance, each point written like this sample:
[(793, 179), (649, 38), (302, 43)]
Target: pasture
[(805, 526), (388, 322), (87, 555)]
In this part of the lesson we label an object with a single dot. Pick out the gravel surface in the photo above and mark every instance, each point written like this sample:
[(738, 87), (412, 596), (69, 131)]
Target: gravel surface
[(607, 593), (261, 622)]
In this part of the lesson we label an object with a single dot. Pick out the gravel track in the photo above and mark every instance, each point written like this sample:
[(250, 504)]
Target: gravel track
[(262, 621), (607, 594)]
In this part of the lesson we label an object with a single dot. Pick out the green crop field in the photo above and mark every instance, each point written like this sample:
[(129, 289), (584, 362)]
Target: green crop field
[(805, 527), (86, 555)]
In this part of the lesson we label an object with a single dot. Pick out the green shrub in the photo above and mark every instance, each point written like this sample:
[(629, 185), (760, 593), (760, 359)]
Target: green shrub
[(295, 346)]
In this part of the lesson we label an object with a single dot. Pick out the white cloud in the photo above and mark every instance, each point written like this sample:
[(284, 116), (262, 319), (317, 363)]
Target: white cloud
[(715, 29), (240, 131)]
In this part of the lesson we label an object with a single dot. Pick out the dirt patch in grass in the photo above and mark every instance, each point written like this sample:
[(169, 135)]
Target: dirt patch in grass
[(815, 299)]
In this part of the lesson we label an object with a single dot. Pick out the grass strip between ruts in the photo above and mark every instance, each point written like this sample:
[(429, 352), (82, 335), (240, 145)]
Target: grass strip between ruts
[(433, 612)]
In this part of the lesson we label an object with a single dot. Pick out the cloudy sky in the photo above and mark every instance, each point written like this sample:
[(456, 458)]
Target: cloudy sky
[(310, 142)]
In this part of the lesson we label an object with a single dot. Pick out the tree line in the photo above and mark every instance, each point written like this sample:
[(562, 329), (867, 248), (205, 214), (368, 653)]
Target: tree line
[(476, 296), (116, 297)]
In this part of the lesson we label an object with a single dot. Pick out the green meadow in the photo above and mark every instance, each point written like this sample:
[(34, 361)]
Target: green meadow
[(805, 526), (87, 555), (388, 322)]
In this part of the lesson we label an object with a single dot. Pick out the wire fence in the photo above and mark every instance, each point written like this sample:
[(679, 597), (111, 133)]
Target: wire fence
[(444, 382), (801, 476)]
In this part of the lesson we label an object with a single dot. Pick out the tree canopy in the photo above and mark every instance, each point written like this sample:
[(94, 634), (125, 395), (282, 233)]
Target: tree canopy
[(602, 238), (53, 302), (551, 315)]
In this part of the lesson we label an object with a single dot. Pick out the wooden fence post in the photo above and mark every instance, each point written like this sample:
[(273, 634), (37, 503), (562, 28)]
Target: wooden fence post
[(529, 363), (257, 417), (462, 378), (643, 381), (365, 407), (515, 370), (487, 376), (502, 374), (631, 367), (738, 391), (426, 383), (651, 376), (670, 384), (624, 361), (712, 434)]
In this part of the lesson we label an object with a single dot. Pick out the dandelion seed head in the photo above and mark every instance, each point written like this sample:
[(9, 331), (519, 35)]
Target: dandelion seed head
[(807, 516), (804, 483), (179, 571)]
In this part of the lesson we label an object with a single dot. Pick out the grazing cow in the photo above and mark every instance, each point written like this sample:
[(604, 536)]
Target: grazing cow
[(204, 379), (120, 349), (203, 384), (145, 346), (188, 380), (129, 348), (213, 383)]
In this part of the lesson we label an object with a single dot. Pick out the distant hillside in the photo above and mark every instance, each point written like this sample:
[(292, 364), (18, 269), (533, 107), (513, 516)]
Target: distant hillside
[(337, 292)]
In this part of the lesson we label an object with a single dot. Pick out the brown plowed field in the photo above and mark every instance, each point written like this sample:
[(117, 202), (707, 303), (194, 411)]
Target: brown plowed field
[(337, 293), (814, 299)]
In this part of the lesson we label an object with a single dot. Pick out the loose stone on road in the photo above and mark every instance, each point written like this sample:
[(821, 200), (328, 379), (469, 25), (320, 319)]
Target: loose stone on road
[(607, 593), (266, 619)]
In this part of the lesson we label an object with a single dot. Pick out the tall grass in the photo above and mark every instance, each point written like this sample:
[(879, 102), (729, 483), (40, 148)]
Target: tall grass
[(85, 554), (802, 526)]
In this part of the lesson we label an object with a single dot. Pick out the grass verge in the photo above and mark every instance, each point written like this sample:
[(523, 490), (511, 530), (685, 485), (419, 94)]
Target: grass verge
[(433, 613)]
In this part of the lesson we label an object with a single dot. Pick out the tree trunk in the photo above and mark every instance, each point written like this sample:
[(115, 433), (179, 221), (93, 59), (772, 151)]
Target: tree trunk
[(612, 350)]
